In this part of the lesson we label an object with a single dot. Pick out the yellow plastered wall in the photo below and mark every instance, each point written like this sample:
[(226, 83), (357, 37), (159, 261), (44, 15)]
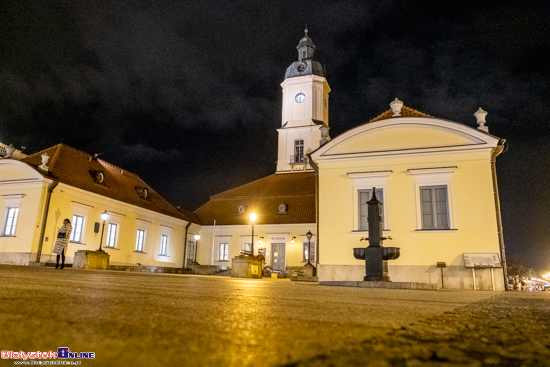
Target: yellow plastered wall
[(67, 201), (471, 205), (236, 236)]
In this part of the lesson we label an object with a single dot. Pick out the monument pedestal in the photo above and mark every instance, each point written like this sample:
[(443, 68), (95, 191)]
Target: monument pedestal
[(86, 259), (308, 270), (243, 266)]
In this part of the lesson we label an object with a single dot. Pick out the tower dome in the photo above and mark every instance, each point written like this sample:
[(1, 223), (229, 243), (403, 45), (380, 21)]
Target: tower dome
[(305, 64)]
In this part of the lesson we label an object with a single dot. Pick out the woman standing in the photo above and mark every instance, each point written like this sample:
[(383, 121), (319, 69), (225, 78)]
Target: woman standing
[(62, 242)]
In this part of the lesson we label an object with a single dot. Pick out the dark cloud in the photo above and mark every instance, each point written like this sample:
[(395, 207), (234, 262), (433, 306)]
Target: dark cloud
[(186, 94)]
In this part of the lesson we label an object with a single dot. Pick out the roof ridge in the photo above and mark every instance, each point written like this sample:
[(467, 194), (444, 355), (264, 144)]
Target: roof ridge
[(387, 114)]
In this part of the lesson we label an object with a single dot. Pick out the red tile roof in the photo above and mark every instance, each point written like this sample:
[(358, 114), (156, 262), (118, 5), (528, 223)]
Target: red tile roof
[(405, 112), (264, 196), (76, 168)]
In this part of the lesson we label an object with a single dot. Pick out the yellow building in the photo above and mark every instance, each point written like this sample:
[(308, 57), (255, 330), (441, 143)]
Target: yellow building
[(436, 179), (39, 191), (437, 182)]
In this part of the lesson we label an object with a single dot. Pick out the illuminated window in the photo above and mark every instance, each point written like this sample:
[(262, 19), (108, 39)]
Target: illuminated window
[(298, 151), (224, 251), (11, 221), (111, 235), (163, 244), (78, 227), (140, 239), (364, 196), (434, 207)]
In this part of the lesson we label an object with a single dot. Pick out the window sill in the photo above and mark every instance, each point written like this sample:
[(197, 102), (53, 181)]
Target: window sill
[(7, 235), (436, 230), (110, 248), (163, 255), (222, 261), (367, 231), (77, 243), (140, 252)]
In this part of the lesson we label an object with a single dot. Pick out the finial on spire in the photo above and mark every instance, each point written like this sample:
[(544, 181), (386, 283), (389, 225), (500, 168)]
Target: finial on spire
[(306, 30)]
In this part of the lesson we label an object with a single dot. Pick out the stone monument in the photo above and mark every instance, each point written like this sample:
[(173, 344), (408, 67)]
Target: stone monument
[(375, 255)]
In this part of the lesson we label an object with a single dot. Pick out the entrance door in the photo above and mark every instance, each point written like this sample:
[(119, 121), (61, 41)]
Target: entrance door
[(278, 256)]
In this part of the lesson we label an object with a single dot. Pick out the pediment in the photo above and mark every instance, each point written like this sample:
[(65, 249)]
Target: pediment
[(14, 170), (406, 134)]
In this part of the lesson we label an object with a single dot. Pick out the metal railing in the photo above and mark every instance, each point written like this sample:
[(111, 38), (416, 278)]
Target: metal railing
[(298, 159)]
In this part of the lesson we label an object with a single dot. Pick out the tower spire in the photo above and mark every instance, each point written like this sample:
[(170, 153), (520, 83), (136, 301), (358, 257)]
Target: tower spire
[(306, 47)]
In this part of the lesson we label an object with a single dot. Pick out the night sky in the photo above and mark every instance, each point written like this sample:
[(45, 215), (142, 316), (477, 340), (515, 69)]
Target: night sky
[(187, 94)]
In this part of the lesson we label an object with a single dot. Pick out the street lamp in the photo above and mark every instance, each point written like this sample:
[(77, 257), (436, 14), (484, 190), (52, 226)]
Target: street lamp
[(253, 218), (104, 217), (309, 235), (197, 238)]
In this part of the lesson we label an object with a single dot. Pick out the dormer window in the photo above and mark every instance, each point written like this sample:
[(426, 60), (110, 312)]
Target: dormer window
[(242, 209), (98, 176), (282, 208), (142, 192)]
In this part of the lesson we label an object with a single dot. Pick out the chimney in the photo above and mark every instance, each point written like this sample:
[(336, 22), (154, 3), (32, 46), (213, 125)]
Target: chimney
[(396, 106), (44, 166), (480, 116)]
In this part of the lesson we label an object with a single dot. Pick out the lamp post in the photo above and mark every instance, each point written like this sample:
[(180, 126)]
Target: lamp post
[(253, 218), (309, 235), (197, 238), (104, 217)]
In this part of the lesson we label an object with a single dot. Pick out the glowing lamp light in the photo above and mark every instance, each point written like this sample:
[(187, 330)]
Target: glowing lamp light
[(253, 217), (104, 216), (197, 237)]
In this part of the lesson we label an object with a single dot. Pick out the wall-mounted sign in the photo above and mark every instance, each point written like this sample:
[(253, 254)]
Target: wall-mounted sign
[(481, 260)]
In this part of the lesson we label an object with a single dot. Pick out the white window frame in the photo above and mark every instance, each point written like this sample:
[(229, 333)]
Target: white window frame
[(363, 181), (140, 240), (112, 235), (191, 247), (163, 245), (165, 231), (379, 196), (299, 151), (433, 203), (81, 210), (437, 176), (223, 251), (11, 221), (78, 228), (12, 203)]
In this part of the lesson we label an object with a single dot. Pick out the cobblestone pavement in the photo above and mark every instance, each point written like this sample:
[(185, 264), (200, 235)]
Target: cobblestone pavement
[(132, 319), (511, 329)]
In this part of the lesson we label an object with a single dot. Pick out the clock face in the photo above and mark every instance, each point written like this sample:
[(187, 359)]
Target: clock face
[(300, 97)]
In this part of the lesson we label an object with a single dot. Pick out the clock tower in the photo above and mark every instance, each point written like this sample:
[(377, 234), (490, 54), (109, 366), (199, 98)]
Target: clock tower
[(304, 125)]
